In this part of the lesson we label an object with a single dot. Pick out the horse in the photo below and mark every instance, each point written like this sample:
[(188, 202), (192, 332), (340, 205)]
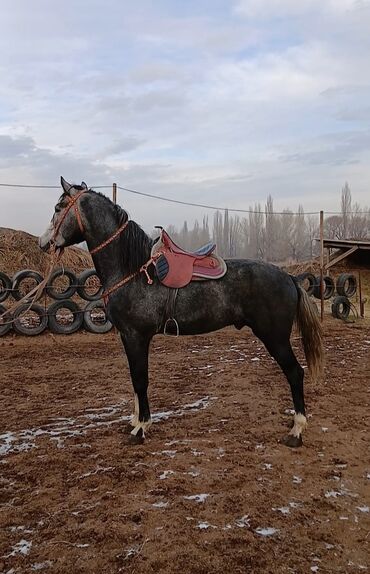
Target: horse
[(252, 293)]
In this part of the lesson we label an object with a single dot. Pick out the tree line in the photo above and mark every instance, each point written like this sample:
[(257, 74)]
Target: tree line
[(275, 237)]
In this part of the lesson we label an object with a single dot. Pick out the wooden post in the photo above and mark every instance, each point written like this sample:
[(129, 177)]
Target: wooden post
[(362, 305), (322, 264)]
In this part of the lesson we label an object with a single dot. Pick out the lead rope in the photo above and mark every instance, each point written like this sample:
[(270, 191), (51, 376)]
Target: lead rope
[(36, 292)]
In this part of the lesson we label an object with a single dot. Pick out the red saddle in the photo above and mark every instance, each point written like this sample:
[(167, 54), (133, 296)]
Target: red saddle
[(176, 267)]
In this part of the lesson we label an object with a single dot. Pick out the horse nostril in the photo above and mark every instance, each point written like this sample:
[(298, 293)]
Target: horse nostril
[(44, 246)]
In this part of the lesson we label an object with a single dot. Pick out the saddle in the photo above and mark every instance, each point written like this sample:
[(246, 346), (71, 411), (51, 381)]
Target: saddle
[(175, 267)]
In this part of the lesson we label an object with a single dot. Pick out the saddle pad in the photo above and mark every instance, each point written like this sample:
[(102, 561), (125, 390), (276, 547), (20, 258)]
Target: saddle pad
[(176, 271), (213, 267)]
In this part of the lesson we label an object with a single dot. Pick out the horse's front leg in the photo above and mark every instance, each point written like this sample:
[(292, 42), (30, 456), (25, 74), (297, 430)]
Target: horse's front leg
[(136, 346)]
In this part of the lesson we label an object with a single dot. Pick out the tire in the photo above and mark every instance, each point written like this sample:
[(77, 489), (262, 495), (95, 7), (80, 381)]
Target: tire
[(308, 281), (21, 276), (89, 324), (56, 325), (5, 286), (329, 287), (4, 328), (30, 330), (340, 307), (54, 293), (82, 288), (346, 285)]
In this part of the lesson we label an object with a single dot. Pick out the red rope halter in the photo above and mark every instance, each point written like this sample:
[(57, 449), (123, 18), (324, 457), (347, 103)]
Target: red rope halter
[(72, 203)]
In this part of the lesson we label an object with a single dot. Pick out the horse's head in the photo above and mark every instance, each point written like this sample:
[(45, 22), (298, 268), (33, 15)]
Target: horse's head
[(66, 226)]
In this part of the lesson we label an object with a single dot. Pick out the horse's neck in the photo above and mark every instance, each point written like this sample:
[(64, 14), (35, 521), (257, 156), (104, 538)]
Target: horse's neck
[(116, 260)]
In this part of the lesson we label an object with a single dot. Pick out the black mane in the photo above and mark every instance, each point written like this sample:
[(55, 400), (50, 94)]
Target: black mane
[(135, 244)]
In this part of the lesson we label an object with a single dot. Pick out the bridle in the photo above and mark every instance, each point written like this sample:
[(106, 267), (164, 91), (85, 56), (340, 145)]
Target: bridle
[(72, 204), (56, 253)]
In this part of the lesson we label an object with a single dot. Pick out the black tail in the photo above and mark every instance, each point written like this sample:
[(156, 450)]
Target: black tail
[(309, 326)]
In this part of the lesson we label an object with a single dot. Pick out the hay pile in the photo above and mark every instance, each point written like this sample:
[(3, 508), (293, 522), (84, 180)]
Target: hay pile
[(20, 250)]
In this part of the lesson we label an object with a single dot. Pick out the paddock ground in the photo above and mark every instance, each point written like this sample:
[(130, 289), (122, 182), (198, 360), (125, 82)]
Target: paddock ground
[(212, 490)]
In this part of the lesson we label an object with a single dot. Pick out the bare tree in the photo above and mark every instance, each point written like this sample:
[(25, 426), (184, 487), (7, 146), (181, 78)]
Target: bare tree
[(270, 230), (346, 202), (313, 232), (333, 227), (359, 225), (217, 231), (256, 232)]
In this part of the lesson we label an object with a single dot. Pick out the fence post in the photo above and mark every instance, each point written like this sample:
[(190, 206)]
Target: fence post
[(114, 193), (322, 264)]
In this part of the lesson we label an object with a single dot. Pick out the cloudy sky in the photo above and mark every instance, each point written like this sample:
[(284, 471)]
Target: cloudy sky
[(208, 101)]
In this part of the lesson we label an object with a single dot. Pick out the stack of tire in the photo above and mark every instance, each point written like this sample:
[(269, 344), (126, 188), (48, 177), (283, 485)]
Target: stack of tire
[(344, 287), (90, 315)]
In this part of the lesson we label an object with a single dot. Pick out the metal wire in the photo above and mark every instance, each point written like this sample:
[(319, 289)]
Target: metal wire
[(180, 202)]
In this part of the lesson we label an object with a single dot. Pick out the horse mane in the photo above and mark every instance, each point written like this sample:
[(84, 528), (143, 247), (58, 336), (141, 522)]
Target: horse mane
[(135, 244)]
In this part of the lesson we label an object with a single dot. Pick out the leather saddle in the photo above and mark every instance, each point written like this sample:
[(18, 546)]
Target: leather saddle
[(175, 267)]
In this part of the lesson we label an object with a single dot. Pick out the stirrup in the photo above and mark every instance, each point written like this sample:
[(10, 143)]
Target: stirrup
[(169, 321)]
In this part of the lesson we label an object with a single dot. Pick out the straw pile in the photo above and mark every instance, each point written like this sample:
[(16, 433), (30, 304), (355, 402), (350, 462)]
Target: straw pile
[(20, 250)]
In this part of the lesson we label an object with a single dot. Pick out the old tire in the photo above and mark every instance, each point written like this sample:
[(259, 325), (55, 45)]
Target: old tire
[(307, 281), (99, 326), (5, 286), (57, 324), (329, 287), (340, 307), (82, 288), (22, 276), (54, 292), (22, 327), (346, 285), (5, 326)]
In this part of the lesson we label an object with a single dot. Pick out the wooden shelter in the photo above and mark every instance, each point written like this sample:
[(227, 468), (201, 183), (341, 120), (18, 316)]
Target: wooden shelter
[(339, 249)]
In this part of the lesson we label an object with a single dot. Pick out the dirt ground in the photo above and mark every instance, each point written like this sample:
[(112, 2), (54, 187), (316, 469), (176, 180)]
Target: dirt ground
[(211, 490)]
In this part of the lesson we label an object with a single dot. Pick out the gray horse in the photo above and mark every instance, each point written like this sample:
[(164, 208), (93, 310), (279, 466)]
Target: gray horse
[(252, 293)]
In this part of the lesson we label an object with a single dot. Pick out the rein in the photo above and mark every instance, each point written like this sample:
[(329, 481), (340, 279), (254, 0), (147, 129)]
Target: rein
[(72, 203), (36, 292), (55, 256)]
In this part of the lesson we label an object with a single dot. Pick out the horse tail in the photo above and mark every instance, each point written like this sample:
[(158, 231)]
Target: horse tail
[(309, 326)]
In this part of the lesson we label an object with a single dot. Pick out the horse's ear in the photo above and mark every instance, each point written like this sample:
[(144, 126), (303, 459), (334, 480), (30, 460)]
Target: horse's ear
[(65, 185), (83, 185)]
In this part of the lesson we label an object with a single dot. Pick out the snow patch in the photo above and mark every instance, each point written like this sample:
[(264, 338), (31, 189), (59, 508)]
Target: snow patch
[(266, 531), (199, 498)]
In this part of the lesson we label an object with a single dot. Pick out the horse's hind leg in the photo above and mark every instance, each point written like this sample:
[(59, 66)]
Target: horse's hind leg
[(136, 346), (283, 354)]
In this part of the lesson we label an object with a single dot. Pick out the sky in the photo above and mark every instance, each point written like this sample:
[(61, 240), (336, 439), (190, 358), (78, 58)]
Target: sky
[(208, 101)]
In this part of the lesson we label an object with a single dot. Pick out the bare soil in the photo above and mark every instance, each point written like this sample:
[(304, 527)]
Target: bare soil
[(212, 490)]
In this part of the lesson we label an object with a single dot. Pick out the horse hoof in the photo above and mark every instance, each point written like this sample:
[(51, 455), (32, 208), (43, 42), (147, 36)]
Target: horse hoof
[(126, 429), (135, 439), (292, 441)]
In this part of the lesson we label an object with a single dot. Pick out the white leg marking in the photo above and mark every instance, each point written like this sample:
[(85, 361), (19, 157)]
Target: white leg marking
[(143, 425), (135, 416), (300, 423)]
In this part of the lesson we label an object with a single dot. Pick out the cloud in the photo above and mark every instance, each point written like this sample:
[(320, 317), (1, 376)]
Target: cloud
[(267, 9), (214, 102), (342, 148), (125, 144)]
